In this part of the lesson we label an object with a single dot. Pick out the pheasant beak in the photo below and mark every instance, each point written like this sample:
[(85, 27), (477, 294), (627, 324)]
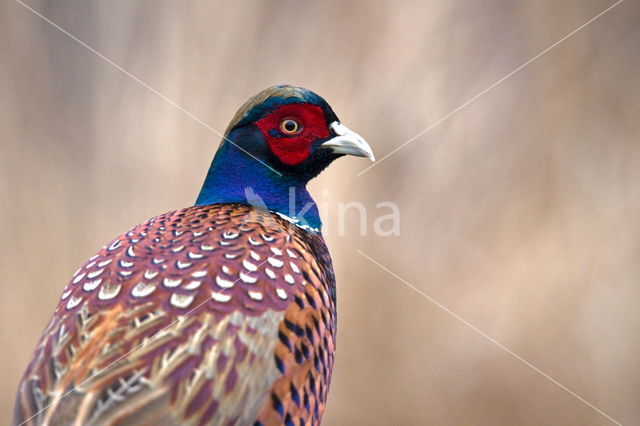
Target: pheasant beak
[(348, 142)]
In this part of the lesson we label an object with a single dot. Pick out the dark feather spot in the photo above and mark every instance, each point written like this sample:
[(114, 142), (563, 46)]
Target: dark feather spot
[(294, 327), (277, 404), (279, 363), (284, 339), (311, 300), (305, 401), (312, 383), (309, 334), (288, 421), (305, 350), (324, 317), (295, 396)]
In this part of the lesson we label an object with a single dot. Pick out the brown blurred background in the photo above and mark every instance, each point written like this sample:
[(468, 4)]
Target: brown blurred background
[(521, 212)]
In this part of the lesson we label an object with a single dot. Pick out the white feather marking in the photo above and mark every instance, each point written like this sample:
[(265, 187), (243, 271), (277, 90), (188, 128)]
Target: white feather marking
[(193, 285), (108, 292), (276, 263), (148, 274), (91, 285), (142, 289), (181, 301), (223, 283), (230, 235), (281, 293), (249, 266), (254, 242), (255, 295), (219, 297), (199, 274), (93, 274), (276, 251), (297, 223), (105, 263), (73, 302), (168, 282), (294, 267), (248, 278), (183, 265), (270, 273), (254, 255)]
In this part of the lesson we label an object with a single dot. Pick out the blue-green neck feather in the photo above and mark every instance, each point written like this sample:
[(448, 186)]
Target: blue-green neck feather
[(236, 177)]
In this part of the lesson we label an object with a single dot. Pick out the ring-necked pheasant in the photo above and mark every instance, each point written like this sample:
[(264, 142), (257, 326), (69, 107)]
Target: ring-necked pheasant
[(221, 313)]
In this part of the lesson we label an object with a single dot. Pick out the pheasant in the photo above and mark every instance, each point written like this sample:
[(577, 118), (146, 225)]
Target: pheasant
[(219, 313)]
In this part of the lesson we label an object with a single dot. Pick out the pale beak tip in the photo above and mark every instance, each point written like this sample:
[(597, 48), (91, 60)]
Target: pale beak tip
[(348, 142)]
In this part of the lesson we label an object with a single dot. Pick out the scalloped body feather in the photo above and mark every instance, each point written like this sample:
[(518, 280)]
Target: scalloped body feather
[(215, 314)]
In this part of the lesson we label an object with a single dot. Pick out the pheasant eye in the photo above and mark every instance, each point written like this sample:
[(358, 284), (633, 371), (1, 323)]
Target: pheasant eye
[(289, 126)]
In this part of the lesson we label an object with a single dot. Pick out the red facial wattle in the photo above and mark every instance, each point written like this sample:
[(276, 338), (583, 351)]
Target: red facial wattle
[(294, 148)]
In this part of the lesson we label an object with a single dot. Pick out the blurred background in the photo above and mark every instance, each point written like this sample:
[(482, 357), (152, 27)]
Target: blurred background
[(520, 213)]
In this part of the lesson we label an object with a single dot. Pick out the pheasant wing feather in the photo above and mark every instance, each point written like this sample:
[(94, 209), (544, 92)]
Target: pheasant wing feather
[(217, 314)]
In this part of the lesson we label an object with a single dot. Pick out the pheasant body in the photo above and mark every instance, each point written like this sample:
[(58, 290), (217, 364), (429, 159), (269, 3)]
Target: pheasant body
[(222, 313)]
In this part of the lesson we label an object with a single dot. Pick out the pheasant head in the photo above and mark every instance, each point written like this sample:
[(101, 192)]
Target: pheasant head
[(276, 143)]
